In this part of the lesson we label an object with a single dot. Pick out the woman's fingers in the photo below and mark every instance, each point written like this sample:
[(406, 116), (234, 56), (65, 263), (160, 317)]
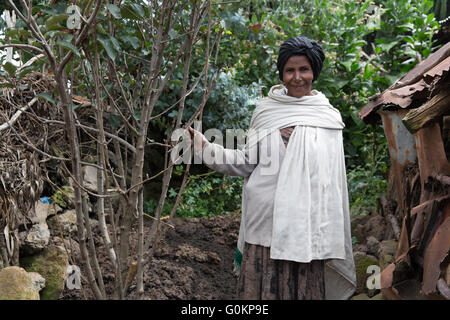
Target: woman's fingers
[(196, 135), (191, 132)]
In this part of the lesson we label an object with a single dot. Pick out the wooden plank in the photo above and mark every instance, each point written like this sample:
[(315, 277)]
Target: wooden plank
[(429, 112), (426, 65)]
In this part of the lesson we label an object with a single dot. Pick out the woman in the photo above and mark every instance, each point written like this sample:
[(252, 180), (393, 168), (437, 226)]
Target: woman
[(295, 230)]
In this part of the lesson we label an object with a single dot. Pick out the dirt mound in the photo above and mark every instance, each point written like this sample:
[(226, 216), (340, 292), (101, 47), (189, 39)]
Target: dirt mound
[(193, 261)]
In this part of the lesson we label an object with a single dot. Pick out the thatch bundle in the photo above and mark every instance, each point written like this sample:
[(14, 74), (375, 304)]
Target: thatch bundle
[(24, 131)]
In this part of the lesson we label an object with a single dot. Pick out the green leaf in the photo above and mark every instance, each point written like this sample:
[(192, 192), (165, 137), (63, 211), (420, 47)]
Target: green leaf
[(53, 21), (25, 71), (10, 68), (46, 96), (387, 46), (407, 26), (137, 114), (107, 45), (391, 78), (115, 10), (6, 85), (11, 33), (131, 40), (409, 39), (339, 83), (115, 43), (132, 11), (115, 121), (173, 114), (347, 64), (69, 46), (138, 9)]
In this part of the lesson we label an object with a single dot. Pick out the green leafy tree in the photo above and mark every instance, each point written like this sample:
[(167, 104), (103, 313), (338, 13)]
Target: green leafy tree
[(149, 66)]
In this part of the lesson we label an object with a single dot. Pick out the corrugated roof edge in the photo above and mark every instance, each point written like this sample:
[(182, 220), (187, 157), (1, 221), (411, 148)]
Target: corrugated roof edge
[(435, 65)]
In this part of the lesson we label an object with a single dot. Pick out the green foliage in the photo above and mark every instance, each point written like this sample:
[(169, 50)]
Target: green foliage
[(63, 197), (229, 106), (368, 46), (205, 195), (367, 182)]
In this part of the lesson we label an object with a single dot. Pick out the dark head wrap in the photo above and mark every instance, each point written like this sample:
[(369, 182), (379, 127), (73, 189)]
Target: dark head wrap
[(301, 46)]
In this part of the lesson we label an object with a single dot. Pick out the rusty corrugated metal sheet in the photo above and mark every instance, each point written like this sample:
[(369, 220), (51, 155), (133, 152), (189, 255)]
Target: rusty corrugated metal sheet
[(423, 204), (437, 251), (440, 70), (402, 149), (401, 142), (416, 82), (434, 59)]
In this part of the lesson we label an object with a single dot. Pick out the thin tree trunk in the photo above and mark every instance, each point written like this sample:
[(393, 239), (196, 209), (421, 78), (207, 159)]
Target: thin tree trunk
[(76, 171)]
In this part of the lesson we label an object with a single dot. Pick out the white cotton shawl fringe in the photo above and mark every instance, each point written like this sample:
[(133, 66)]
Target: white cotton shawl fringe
[(311, 212)]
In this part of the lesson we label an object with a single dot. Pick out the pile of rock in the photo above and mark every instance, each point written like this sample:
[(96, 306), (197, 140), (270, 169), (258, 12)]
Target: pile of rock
[(18, 284), (373, 250), (44, 256)]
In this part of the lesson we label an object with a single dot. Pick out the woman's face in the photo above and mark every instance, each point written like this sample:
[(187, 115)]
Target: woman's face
[(298, 76)]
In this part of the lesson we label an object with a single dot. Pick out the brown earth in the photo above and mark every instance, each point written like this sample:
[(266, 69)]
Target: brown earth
[(194, 260)]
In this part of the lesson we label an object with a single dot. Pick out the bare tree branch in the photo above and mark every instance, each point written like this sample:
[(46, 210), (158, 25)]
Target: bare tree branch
[(21, 46)]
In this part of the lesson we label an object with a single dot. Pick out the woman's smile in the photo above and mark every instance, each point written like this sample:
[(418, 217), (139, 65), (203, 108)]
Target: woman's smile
[(298, 76)]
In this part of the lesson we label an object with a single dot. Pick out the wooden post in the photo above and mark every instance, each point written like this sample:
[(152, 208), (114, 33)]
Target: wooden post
[(431, 155), (429, 112)]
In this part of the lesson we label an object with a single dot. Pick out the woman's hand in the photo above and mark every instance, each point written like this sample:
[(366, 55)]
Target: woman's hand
[(197, 136)]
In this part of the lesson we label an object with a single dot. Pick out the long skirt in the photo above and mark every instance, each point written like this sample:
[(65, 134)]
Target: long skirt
[(262, 278)]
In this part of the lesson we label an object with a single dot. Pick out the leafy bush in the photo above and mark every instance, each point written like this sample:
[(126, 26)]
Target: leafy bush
[(205, 195), (368, 45), (367, 182), (229, 106)]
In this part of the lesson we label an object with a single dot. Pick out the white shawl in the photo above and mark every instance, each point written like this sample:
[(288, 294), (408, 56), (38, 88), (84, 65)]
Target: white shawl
[(311, 212)]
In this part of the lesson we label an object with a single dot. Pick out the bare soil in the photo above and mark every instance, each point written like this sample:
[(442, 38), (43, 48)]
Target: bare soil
[(193, 260)]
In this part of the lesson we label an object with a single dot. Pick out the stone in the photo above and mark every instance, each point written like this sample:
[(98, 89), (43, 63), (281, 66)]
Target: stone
[(376, 227), (36, 239), (357, 223), (38, 280), (68, 222), (358, 219), (359, 233), (17, 284), (52, 264), (72, 246), (386, 252), (372, 245), (42, 211), (362, 263), (90, 178), (360, 248)]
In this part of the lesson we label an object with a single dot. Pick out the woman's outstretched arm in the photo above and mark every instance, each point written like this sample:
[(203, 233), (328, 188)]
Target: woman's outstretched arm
[(233, 162)]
